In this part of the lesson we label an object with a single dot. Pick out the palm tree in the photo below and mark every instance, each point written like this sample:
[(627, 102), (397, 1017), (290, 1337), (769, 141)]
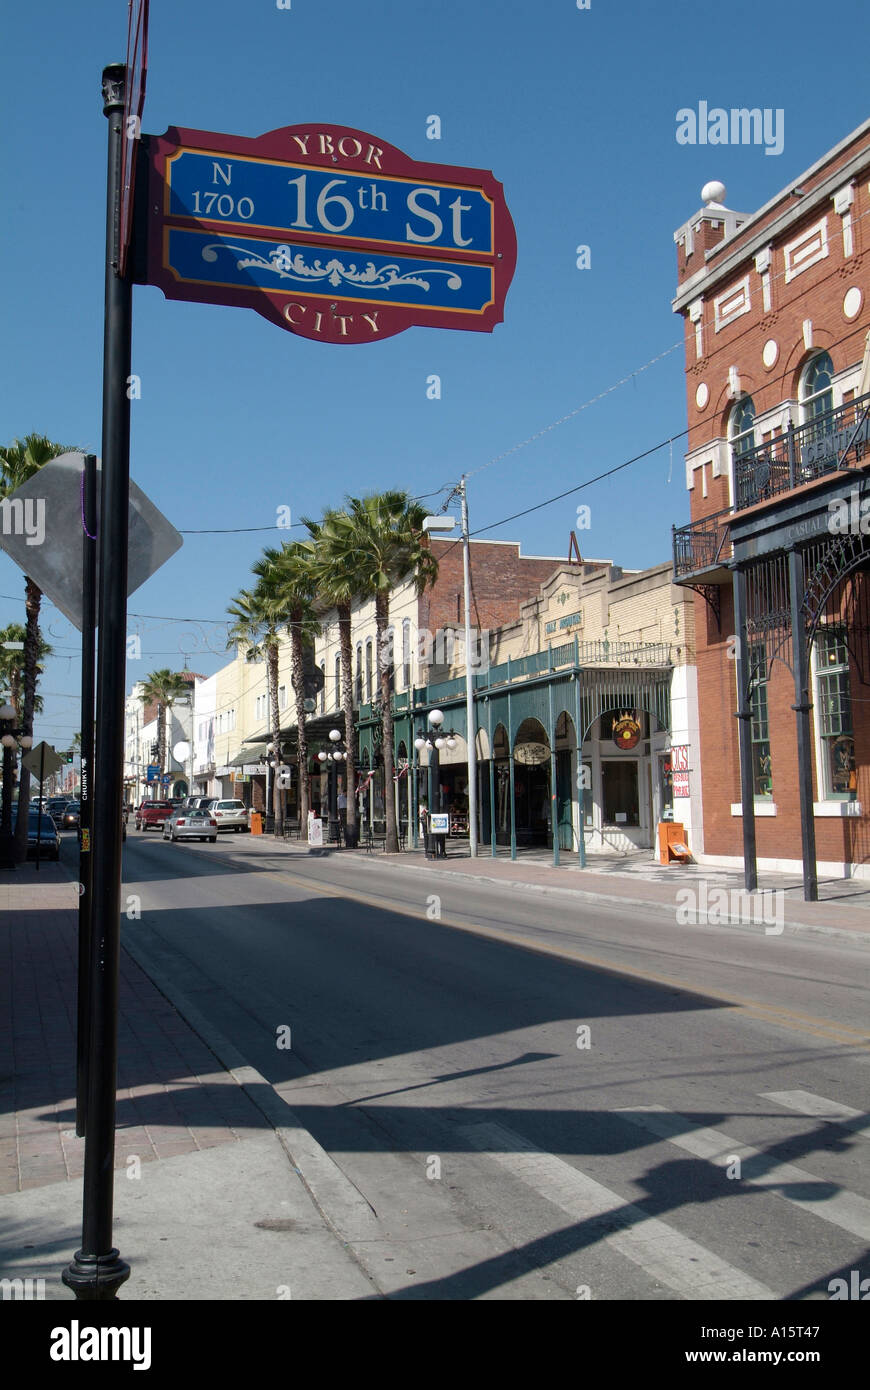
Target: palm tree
[(382, 537), (18, 462), (12, 667), (289, 576), (336, 585), (258, 618), (163, 688)]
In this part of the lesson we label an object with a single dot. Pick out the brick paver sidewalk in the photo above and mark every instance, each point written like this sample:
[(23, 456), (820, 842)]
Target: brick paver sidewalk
[(173, 1095)]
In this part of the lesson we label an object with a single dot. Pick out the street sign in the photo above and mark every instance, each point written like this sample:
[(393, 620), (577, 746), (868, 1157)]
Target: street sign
[(54, 493), (42, 761), (152, 772), (328, 231)]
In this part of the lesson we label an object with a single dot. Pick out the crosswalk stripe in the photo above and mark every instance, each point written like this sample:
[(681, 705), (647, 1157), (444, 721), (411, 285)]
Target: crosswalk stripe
[(807, 1103), (674, 1259), (844, 1209)]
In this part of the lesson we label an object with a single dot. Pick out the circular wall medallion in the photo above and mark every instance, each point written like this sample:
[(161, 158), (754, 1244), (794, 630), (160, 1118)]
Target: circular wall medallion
[(770, 352), (852, 302), (702, 395)]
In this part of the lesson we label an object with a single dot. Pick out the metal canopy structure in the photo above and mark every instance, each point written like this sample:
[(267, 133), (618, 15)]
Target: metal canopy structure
[(580, 681)]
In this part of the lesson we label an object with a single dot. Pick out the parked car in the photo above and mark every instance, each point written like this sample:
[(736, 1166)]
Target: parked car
[(229, 814), (56, 807), (71, 816), (187, 824), (152, 814), (42, 834)]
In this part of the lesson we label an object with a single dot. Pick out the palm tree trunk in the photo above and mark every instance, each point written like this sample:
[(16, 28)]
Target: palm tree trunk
[(382, 618), (277, 793), (32, 601), (347, 704), (299, 694)]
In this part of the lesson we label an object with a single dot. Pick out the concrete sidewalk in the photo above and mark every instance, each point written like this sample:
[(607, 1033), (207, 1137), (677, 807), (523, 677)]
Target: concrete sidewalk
[(637, 880), (211, 1198)]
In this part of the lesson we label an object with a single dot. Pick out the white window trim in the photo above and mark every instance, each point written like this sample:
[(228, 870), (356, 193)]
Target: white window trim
[(830, 799), (809, 256), (739, 293), (762, 808)]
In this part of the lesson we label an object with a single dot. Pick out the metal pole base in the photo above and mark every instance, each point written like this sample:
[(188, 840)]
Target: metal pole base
[(96, 1277)]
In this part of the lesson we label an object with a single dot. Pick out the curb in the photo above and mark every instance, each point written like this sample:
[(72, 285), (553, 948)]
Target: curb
[(327, 1185), (790, 928)]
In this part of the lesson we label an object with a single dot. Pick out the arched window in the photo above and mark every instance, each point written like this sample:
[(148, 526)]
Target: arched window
[(369, 671), (816, 394), (359, 677), (338, 682), (741, 427)]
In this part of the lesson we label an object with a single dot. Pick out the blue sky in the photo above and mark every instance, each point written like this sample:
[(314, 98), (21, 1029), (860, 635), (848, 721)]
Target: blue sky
[(573, 110)]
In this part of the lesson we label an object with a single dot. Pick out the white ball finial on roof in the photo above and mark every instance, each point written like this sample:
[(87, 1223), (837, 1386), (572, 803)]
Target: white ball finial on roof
[(713, 193)]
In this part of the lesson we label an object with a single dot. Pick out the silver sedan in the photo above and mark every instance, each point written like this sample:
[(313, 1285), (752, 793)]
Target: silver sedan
[(185, 824)]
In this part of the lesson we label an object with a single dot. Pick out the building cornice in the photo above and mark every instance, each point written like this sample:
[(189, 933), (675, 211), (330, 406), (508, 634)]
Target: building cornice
[(750, 243)]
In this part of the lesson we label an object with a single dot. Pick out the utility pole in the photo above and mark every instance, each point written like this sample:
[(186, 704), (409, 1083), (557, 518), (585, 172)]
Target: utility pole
[(469, 679)]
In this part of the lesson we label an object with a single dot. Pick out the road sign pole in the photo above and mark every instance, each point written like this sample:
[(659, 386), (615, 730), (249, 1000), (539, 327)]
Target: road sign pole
[(97, 1271), (89, 598)]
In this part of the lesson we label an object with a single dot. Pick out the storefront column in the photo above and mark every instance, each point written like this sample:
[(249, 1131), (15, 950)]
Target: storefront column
[(511, 777), (581, 838), (744, 718), (802, 707), (491, 777), (551, 733)]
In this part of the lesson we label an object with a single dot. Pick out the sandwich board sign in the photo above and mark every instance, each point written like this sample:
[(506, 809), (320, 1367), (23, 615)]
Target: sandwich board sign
[(328, 231)]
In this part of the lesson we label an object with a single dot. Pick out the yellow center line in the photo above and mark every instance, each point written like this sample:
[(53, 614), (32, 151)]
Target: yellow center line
[(842, 1033)]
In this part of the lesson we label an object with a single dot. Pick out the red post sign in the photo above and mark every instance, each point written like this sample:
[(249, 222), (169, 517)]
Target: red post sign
[(330, 232)]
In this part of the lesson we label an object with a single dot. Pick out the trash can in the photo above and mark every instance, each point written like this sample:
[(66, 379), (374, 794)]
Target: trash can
[(351, 836), (673, 848), (256, 823)]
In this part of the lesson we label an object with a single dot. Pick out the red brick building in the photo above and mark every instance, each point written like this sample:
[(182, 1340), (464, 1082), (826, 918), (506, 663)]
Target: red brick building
[(501, 581), (776, 314)]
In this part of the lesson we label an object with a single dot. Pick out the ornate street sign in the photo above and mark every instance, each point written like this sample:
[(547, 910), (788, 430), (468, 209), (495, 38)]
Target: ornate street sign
[(328, 231)]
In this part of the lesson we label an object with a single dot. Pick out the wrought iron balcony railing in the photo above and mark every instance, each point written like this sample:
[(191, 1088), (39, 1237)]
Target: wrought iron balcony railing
[(702, 545), (841, 438), (803, 452)]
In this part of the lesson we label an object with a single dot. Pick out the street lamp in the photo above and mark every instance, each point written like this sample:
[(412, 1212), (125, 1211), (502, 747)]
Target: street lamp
[(337, 756), (447, 523), (273, 762), (12, 739)]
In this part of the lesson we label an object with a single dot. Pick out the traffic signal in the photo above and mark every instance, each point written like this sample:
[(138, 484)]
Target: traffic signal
[(69, 756), (155, 748)]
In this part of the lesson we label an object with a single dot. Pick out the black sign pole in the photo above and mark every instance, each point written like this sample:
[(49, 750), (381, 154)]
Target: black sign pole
[(39, 817), (97, 1271), (89, 615)]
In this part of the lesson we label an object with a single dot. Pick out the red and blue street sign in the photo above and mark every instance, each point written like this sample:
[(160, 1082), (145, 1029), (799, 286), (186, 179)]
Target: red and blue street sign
[(327, 231)]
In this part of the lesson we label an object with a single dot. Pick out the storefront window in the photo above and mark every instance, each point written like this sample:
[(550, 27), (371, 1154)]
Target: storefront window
[(759, 724), (619, 788), (833, 707)]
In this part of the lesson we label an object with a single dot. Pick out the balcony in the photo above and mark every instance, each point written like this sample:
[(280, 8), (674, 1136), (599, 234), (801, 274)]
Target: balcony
[(801, 454), (701, 549)]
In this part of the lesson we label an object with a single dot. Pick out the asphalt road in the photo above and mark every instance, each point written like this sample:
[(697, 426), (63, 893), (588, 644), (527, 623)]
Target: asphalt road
[(529, 1096)]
